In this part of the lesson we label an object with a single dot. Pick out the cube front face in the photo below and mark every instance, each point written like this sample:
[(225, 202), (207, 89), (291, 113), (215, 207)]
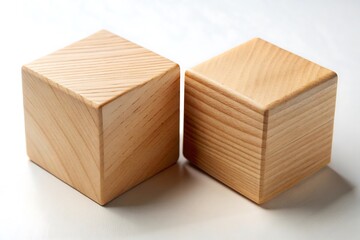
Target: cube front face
[(223, 136), (259, 118), (62, 135), (102, 114)]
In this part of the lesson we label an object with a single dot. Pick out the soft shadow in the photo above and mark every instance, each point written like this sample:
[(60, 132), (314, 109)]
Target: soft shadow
[(314, 193), (162, 185)]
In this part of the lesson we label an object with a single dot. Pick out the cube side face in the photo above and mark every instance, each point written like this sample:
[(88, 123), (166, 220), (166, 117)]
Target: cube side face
[(141, 133), (299, 139), (222, 136), (62, 134)]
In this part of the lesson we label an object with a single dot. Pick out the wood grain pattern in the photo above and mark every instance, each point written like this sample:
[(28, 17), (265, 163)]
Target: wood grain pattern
[(62, 135), (299, 139), (214, 142), (259, 118), (263, 73), (102, 114), (141, 133), (100, 68)]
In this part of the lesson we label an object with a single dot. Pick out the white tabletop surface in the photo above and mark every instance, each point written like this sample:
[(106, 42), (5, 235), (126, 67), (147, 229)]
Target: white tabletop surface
[(182, 202)]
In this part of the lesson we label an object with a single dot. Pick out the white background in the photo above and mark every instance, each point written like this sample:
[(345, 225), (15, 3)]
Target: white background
[(181, 202)]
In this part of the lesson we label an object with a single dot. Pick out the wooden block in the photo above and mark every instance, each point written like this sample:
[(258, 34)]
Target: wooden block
[(259, 118), (102, 114)]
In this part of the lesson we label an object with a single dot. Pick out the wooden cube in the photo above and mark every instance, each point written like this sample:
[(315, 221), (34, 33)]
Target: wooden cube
[(259, 118), (102, 114)]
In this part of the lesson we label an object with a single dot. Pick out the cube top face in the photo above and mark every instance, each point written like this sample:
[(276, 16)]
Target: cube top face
[(100, 68), (262, 74)]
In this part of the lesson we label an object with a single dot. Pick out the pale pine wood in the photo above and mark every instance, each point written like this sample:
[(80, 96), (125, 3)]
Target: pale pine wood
[(62, 135), (100, 68), (102, 114), (259, 118), (263, 74), (145, 124)]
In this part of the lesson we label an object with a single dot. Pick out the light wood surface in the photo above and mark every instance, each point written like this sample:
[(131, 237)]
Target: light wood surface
[(262, 73), (62, 135), (141, 133), (100, 68), (102, 114), (259, 118)]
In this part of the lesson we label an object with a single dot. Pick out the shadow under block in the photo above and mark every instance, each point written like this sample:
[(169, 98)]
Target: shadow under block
[(102, 114), (259, 118)]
